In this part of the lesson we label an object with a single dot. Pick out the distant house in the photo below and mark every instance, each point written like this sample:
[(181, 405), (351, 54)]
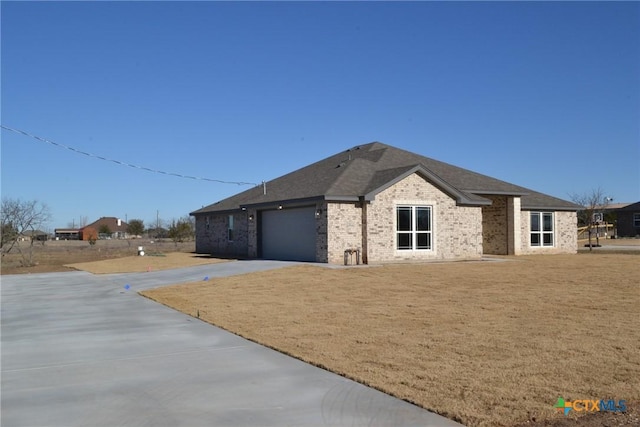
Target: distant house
[(385, 204), (66, 233), (117, 228), (157, 233), (88, 233), (628, 220), (37, 235)]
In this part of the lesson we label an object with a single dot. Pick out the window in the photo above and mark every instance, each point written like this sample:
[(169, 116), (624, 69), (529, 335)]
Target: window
[(636, 220), (413, 228), (230, 229), (541, 228)]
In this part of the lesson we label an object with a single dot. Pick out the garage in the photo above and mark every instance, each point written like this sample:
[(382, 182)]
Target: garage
[(289, 234)]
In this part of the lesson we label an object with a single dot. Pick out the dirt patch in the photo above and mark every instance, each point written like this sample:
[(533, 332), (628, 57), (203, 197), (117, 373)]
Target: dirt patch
[(139, 264), (483, 343)]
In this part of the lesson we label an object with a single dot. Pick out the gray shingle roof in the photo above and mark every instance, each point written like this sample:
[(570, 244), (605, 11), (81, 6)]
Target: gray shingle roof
[(365, 170), (631, 207)]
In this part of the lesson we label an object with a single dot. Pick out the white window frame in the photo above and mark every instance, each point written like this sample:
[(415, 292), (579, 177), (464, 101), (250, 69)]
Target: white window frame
[(636, 220), (230, 230), (414, 232), (541, 233)]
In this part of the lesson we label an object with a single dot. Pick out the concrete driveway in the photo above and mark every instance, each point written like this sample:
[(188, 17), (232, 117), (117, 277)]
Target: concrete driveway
[(82, 350)]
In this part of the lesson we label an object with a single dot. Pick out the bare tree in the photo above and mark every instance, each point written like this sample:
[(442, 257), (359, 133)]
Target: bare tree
[(591, 216), (19, 217)]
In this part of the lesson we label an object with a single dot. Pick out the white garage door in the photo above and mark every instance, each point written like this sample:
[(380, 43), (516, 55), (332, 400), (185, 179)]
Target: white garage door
[(289, 234)]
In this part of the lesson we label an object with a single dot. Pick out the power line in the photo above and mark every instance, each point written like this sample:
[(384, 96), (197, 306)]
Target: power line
[(95, 156)]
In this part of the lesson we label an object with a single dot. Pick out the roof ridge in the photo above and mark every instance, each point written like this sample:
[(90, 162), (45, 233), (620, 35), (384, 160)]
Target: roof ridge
[(361, 169)]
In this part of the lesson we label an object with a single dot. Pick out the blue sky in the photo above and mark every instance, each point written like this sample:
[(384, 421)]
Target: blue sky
[(541, 94)]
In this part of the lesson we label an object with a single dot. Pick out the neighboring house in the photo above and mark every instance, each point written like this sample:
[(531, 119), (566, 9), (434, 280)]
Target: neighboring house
[(157, 233), (37, 235), (66, 233), (88, 233), (116, 226), (389, 205), (628, 220)]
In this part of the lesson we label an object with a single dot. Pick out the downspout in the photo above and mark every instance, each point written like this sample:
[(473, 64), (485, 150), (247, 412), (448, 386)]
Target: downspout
[(365, 257)]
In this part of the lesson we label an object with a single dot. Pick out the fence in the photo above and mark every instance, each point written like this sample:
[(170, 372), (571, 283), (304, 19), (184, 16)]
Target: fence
[(605, 230)]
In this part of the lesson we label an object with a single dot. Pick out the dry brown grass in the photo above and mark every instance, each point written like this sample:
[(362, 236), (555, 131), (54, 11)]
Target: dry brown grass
[(54, 256), (139, 264), (485, 343)]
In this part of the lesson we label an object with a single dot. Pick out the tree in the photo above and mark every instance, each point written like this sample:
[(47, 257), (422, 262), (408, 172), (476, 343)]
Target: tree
[(181, 230), (157, 232), (135, 227), (104, 231), (18, 218), (591, 216), (9, 234)]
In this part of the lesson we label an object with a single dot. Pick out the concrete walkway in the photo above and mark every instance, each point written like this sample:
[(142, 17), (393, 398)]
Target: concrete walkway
[(82, 350)]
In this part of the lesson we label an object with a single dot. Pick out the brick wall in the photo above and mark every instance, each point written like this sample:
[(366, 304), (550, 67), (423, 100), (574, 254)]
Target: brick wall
[(501, 226), (344, 220), (252, 233), (322, 237), (457, 231), (212, 235), (565, 234), (495, 226)]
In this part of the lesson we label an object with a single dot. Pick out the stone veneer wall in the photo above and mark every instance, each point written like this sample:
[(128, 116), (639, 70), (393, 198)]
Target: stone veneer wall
[(565, 236), (211, 234), (457, 230)]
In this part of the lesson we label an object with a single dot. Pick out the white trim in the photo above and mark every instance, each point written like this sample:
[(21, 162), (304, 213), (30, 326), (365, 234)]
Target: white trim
[(541, 233), (230, 228), (414, 204)]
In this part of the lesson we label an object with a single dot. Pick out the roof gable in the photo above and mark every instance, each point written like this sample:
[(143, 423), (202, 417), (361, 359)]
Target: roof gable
[(365, 170), (385, 179)]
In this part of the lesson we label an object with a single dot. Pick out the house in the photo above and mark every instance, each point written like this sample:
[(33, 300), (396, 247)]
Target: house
[(35, 235), (66, 233), (88, 233), (627, 219), (385, 204), (117, 228), (611, 220)]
